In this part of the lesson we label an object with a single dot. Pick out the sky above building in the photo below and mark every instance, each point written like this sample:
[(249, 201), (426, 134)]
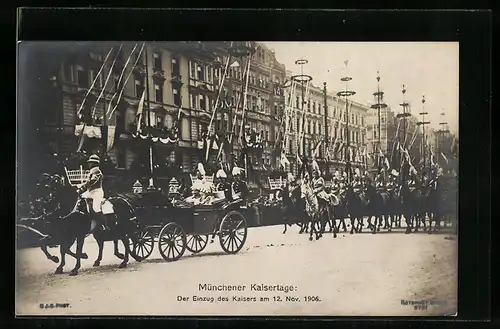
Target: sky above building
[(425, 68)]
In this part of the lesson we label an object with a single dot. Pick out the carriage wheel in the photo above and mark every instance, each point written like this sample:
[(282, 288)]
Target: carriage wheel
[(196, 243), (172, 242), (233, 232), (141, 245)]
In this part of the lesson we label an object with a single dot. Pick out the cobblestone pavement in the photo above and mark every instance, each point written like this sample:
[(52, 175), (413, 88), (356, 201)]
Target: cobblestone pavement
[(360, 274)]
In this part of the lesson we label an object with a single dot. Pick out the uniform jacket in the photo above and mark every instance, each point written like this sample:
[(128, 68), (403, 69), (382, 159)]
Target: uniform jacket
[(95, 179), (319, 188)]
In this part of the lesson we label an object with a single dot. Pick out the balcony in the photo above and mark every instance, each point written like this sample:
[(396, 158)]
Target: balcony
[(176, 78), (158, 74)]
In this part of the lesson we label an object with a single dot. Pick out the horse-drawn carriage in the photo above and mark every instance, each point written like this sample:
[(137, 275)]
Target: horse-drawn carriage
[(179, 227)]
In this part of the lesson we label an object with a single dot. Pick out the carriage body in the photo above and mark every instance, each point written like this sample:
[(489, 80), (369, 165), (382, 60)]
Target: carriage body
[(177, 228)]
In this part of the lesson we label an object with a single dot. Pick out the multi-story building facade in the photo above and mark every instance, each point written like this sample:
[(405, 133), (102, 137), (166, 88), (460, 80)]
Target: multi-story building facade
[(181, 75), (312, 126)]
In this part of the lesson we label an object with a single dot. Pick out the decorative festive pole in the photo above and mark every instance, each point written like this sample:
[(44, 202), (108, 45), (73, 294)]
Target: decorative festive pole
[(442, 133), (405, 114), (346, 94), (325, 108), (379, 98), (148, 113), (302, 79), (423, 123)]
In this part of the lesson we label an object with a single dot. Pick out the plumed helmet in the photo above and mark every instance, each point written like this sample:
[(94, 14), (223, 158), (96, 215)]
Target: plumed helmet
[(221, 174), (237, 171), (94, 159)]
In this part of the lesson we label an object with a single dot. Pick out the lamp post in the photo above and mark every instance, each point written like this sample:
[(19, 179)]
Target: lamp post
[(405, 114), (379, 98), (346, 94), (423, 123)]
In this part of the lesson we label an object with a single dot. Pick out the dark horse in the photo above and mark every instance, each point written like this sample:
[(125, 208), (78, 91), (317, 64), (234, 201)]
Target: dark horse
[(294, 208), (64, 230), (378, 206), (356, 207), (440, 202), (412, 207)]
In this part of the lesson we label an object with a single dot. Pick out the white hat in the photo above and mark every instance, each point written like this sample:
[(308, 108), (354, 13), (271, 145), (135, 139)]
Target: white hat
[(94, 158), (201, 169), (221, 174), (394, 173), (236, 171)]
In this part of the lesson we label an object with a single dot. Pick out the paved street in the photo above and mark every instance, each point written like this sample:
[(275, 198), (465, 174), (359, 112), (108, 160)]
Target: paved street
[(360, 274)]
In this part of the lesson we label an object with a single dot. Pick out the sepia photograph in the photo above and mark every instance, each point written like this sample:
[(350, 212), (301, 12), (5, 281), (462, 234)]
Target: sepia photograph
[(237, 178)]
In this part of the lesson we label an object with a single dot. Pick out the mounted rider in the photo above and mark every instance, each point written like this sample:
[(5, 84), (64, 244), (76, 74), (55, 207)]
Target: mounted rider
[(93, 190), (357, 184), (379, 181), (392, 184)]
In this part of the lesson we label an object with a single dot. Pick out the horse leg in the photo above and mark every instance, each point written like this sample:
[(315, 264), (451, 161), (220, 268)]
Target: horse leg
[(100, 245), (408, 222), (124, 240), (389, 219), (55, 259), (63, 248), (352, 218), (72, 254), (79, 247), (118, 254)]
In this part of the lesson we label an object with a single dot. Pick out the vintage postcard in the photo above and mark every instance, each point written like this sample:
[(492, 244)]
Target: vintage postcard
[(237, 178)]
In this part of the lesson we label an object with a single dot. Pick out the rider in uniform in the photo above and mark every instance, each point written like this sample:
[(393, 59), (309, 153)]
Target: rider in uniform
[(391, 184), (92, 189), (379, 182), (319, 184), (357, 184)]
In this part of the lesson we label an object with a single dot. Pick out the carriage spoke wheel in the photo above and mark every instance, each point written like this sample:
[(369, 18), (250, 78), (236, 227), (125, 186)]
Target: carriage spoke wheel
[(196, 243), (172, 242), (233, 232), (141, 245)]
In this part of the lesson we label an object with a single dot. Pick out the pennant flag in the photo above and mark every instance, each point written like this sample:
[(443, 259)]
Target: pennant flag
[(445, 158), (387, 165), (284, 160), (111, 138), (140, 108), (299, 162), (328, 155), (81, 143), (316, 149)]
